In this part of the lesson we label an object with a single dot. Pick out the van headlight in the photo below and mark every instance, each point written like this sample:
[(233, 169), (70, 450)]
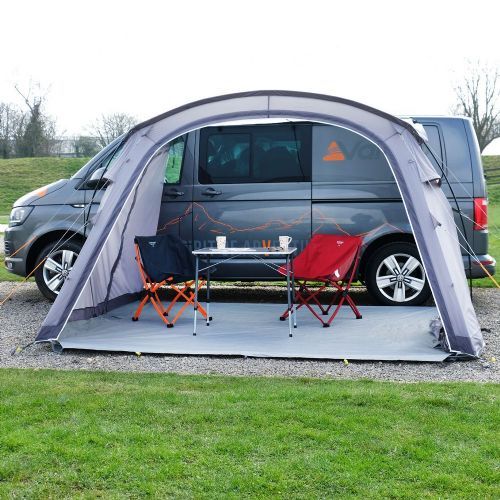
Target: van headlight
[(19, 215)]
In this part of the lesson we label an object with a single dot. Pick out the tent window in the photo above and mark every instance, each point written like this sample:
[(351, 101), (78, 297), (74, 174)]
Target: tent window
[(173, 162)]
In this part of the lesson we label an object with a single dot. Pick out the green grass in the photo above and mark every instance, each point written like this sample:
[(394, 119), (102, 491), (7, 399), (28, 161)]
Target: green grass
[(19, 176), (89, 434), (490, 162)]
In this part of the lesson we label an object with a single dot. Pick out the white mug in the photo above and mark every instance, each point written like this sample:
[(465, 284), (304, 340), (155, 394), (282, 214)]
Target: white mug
[(221, 242), (285, 241)]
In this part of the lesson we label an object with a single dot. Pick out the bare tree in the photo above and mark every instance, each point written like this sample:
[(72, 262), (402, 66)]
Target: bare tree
[(109, 127), (10, 122), (477, 98), (36, 130)]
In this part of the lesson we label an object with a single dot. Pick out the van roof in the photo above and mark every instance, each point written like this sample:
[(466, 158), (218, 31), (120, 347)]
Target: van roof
[(271, 121)]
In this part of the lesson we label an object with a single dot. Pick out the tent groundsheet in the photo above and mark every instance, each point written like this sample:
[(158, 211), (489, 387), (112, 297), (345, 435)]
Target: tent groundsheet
[(254, 330)]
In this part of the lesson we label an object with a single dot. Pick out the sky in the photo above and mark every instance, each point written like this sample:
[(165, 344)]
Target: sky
[(143, 58)]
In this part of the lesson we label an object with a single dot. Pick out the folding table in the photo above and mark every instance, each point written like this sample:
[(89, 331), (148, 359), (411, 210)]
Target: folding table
[(261, 254)]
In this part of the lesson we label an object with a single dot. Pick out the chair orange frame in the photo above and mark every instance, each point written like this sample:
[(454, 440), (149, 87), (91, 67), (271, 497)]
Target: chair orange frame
[(151, 288)]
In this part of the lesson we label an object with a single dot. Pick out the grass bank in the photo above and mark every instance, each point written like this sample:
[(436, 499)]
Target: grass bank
[(490, 164), (113, 435), (19, 176)]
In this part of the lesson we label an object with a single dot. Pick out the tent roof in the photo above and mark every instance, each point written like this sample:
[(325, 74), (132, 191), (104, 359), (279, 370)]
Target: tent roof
[(290, 93)]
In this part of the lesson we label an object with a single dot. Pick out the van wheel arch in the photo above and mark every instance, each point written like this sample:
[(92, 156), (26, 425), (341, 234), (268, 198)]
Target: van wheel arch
[(375, 245), (46, 239)]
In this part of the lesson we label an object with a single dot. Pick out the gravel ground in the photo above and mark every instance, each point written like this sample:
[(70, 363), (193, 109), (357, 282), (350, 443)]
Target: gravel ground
[(21, 316)]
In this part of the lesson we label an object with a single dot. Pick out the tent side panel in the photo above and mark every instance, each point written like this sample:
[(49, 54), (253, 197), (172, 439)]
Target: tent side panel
[(436, 236), (110, 213)]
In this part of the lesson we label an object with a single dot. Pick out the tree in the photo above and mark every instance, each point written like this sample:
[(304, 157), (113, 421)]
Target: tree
[(108, 127), (10, 122), (86, 146), (477, 98), (36, 130)]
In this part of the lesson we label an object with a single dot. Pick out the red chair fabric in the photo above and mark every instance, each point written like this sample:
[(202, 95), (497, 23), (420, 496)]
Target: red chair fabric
[(332, 260)]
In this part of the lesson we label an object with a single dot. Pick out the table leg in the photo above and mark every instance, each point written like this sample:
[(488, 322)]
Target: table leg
[(208, 293), (288, 295), (195, 294), (294, 309)]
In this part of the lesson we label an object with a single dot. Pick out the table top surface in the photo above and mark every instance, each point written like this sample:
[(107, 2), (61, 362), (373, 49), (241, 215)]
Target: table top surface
[(245, 251)]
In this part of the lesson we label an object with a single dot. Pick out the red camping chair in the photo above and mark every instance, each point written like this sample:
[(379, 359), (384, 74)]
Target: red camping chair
[(331, 260), (164, 260)]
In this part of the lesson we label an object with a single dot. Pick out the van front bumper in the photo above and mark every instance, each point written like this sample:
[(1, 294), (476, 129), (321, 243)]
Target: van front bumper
[(15, 253)]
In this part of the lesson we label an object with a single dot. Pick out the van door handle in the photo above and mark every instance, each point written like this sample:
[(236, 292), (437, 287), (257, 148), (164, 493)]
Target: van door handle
[(211, 192), (175, 192)]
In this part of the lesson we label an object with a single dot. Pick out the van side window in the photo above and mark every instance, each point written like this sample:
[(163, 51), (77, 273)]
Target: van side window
[(278, 155), (227, 159), (255, 154), (173, 162), (343, 156)]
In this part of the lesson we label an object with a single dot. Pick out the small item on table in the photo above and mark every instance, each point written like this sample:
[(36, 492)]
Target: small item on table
[(285, 241), (221, 242)]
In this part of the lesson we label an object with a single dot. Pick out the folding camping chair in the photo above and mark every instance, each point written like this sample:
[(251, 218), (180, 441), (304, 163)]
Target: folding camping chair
[(164, 260), (332, 260)]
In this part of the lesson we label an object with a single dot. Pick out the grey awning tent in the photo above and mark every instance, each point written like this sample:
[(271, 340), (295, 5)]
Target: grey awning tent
[(104, 276)]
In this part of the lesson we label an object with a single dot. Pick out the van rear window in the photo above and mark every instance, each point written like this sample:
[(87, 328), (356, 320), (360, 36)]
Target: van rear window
[(434, 143), (343, 156)]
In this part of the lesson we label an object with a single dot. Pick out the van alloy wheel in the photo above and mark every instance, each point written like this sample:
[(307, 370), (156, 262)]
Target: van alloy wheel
[(57, 267), (400, 277), (395, 275)]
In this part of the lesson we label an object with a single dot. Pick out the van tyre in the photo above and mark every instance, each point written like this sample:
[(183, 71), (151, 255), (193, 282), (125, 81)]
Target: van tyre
[(395, 276), (59, 261)]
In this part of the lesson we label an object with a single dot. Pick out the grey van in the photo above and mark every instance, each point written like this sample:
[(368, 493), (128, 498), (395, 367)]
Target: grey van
[(254, 182)]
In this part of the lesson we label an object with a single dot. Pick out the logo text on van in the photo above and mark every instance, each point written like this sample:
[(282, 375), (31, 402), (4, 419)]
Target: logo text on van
[(338, 151)]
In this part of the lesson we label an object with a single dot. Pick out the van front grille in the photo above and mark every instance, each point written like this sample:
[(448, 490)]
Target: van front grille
[(6, 247)]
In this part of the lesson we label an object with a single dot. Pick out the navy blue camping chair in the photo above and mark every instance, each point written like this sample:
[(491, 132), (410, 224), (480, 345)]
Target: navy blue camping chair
[(165, 261)]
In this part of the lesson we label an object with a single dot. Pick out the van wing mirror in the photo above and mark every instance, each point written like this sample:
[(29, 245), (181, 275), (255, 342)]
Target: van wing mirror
[(97, 180)]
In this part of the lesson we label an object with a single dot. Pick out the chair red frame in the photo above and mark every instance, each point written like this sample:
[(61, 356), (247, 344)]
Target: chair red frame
[(184, 291), (304, 295)]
